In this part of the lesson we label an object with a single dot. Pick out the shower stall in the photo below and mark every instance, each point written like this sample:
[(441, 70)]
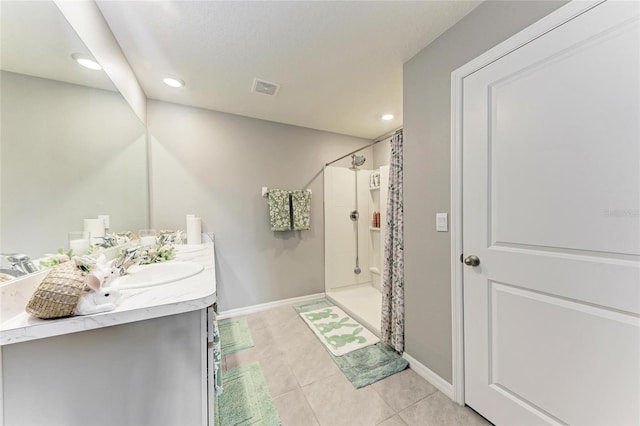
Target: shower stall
[(355, 201)]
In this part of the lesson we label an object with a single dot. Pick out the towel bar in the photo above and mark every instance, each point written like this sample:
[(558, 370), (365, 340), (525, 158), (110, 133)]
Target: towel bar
[(265, 191)]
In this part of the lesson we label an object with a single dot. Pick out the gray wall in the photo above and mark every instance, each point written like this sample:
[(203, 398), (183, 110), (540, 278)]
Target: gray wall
[(427, 106), (69, 152), (213, 165), (382, 153)]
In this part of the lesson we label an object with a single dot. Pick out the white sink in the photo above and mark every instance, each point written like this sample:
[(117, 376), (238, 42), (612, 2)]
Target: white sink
[(140, 276)]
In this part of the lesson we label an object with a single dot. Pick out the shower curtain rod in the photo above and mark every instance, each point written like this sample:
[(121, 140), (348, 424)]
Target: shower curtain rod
[(375, 141)]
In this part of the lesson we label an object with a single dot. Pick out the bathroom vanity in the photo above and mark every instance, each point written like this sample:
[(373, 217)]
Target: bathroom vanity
[(149, 362)]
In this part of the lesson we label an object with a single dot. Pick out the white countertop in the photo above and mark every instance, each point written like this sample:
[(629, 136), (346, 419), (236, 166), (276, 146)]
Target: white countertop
[(190, 294)]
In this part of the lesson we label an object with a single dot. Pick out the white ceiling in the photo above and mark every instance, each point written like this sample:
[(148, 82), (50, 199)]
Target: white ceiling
[(339, 63), (37, 40)]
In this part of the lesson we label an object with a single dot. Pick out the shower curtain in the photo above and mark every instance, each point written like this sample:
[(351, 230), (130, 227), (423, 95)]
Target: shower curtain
[(392, 327)]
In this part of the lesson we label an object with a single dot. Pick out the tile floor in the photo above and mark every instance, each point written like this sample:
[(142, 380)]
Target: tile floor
[(309, 389)]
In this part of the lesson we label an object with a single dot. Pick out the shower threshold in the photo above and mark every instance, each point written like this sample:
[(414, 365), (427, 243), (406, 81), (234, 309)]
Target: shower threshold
[(362, 302)]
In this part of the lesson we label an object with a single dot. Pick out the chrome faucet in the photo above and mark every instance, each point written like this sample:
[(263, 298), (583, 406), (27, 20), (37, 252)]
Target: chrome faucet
[(22, 263), (126, 259)]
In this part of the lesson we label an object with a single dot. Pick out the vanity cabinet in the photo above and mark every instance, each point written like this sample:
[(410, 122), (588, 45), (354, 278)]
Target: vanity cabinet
[(149, 362), (142, 373)]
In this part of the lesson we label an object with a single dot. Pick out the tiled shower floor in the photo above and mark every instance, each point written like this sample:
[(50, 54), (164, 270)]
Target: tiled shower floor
[(309, 389)]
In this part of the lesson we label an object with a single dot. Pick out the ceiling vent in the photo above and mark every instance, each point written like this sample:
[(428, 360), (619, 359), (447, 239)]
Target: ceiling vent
[(265, 87)]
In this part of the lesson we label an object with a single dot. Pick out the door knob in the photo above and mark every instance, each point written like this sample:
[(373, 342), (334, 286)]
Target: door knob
[(472, 260)]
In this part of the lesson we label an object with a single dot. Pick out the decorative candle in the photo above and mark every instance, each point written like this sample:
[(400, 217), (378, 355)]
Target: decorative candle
[(106, 219), (194, 229), (95, 227), (147, 237), (79, 242)]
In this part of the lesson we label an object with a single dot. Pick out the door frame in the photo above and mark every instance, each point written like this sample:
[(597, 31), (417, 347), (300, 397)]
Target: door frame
[(546, 24)]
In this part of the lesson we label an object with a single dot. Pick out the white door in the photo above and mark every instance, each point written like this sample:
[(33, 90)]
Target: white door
[(551, 192)]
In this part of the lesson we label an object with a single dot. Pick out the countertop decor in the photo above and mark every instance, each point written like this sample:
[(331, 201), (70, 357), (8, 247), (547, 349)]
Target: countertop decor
[(190, 294)]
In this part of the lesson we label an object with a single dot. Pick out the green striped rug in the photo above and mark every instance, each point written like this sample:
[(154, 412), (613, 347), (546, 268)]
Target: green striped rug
[(245, 399), (234, 335), (312, 305)]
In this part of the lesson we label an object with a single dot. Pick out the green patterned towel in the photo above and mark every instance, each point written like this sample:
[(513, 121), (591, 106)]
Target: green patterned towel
[(301, 205), (279, 210)]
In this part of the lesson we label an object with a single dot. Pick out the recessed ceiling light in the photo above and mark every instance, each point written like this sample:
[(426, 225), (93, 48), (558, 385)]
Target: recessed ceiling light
[(86, 62), (173, 82), (387, 117)]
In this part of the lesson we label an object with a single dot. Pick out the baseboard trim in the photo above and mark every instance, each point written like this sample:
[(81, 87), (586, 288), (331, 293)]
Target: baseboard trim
[(423, 371), (265, 306)]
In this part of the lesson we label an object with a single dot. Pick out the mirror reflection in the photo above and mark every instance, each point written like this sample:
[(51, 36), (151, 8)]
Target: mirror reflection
[(70, 146)]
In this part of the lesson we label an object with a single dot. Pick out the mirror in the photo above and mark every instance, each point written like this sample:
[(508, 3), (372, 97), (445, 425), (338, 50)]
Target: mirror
[(70, 146)]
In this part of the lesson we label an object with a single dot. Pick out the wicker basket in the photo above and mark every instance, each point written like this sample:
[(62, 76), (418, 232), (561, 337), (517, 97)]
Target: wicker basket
[(59, 292)]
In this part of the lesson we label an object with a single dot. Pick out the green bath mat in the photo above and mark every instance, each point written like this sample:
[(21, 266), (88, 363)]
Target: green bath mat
[(312, 305), (336, 330), (245, 399), (366, 365), (234, 335)]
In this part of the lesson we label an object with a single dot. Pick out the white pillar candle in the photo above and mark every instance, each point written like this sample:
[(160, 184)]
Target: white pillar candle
[(79, 242), (194, 230), (147, 237), (106, 219), (149, 240), (95, 227), (79, 247)]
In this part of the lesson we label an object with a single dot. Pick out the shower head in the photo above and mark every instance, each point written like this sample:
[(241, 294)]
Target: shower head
[(357, 161)]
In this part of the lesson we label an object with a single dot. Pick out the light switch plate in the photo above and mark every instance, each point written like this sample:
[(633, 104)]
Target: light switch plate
[(442, 224)]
